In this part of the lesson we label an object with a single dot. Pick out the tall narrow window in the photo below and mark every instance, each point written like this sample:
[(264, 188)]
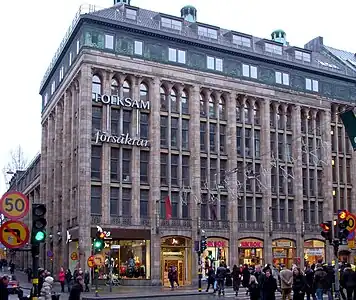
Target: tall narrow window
[(144, 196), (164, 173), (174, 101), (126, 165), (126, 89), (184, 103), (115, 164), (202, 136), (115, 121), (144, 92), (144, 125), (96, 86), (126, 124), (185, 134), (174, 132), (222, 115), (174, 169), (126, 202), (115, 88), (202, 106), (114, 201), (212, 108), (164, 100), (96, 162), (185, 170), (97, 118), (164, 131), (144, 162), (95, 201)]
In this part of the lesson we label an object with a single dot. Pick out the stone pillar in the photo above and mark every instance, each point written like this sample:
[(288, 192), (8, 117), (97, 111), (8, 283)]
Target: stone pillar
[(57, 209), (155, 180), (232, 179), (328, 209), (266, 178), (135, 160), (84, 163), (298, 179), (105, 161), (194, 137)]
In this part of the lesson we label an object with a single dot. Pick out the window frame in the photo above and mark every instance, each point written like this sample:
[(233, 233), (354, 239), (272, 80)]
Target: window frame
[(214, 61), (250, 67), (175, 57), (136, 43), (242, 41), (283, 80), (313, 83), (109, 41)]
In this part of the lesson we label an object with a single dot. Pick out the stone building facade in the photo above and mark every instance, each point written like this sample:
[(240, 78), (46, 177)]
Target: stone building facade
[(253, 166)]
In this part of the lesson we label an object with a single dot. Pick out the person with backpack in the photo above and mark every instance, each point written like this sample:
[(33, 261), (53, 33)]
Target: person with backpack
[(320, 281), (348, 280)]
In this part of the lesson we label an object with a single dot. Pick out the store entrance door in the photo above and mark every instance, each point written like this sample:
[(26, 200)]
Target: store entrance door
[(180, 270)]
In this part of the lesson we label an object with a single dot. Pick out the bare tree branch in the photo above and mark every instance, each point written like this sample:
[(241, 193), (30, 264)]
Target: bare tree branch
[(17, 162)]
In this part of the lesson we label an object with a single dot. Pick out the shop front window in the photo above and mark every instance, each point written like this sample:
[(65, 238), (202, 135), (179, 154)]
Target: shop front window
[(176, 252), (250, 252), (284, 252), (216, 252), (314, 251), (130, 259)]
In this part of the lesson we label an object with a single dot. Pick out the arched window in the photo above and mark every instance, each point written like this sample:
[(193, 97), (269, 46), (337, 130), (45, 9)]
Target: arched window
[(272, 116), (184, 103), (96, 85), (238, 112), (222, 115), (212, 107), (174, 102), (126, 89), (143, 92), (256, 113), (115, 88), (202, 106), (280, 118), (247, 113), (304, 117), (310, 122), (289, 118), (163, 97)]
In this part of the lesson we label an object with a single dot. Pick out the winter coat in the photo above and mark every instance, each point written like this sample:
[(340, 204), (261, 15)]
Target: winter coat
[(68, 276), (4, 292), (228, 278), (220, 273), (309, 281), (299, 284), (245, 277), (236, 279), (320, 279), (86, 278), (254, 291), (269, 288), (211, 276), (62, 276), (75, 292), (348, 279), (286, 276), (46, 291)]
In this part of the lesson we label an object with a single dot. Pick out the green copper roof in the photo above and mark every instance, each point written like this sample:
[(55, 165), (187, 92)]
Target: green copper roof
[(279, 30)]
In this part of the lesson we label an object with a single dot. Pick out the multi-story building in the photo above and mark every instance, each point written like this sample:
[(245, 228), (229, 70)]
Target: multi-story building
[(242, 133)]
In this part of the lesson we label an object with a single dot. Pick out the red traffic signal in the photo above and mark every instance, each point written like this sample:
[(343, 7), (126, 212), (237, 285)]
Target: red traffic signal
[(326, 226)]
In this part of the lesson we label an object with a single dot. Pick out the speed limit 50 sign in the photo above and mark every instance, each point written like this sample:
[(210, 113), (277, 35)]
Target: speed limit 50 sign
[(14, 205)]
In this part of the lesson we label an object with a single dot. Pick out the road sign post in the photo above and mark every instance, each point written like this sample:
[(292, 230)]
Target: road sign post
[(14, 205)]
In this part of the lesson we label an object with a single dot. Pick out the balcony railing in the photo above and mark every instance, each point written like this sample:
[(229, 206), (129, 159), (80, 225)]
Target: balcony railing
[(176, 223), (121, 220), (215, 224), (311, 228), (284, 227), (146, 222), (250, 226), (95, 219)]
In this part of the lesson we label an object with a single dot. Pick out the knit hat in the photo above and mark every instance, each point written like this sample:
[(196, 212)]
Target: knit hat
[(49, 279)]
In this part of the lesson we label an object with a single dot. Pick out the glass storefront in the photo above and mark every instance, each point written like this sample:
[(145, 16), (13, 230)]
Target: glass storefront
[(250, 252), (283, 252), (314, 250), (130, 261), (176, 252), (216, 252)]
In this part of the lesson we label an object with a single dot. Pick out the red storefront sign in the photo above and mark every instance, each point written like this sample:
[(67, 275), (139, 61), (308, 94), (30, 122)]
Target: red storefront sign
[(216, 244), (250, 244)]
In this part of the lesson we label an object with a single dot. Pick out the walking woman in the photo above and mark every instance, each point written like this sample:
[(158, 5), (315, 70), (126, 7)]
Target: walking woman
[(236, 279), (299, 284)]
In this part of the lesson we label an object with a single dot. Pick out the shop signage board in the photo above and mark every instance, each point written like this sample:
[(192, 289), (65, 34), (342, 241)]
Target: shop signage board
[(14, 234), (217, 244), (91, 262), (251, 244), (99, 260), (74, 256), (14, 205)]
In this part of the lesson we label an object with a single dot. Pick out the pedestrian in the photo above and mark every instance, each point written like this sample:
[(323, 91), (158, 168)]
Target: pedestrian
[(320, 281), (220, 278), (348, 280), (29, 274), (86, 280), (170, 277), (286, 276), (299, 284), (246, 277), (228, 278), (211, 278), (175, 275), (269, 286), (236, 279), (254, 288), (4, 292), (47, 289), (77, 289), (68, 279), (12, 267), (62, 278), (309, 282)]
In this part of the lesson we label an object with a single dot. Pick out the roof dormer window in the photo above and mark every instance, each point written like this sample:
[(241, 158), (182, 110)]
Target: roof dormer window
[(173, 24), (208, 32), (131, 14), (303, 56), (241, 41), (274, 49)]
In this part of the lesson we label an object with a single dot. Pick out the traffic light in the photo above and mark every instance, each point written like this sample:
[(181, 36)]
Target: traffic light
[(343, 223), (99, 242), (327, 231), (39, 223), (203, 244)]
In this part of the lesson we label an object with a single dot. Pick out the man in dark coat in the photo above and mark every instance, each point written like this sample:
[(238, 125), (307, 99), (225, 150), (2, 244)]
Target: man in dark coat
[(269, 286), (77, 289), (4, 292)]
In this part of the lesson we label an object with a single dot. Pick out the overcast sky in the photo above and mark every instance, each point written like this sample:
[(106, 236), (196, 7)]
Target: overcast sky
[(33, 30)]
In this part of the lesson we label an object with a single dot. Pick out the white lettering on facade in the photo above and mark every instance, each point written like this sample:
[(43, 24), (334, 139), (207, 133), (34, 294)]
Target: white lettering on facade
[(123, 139), (115, 100)]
